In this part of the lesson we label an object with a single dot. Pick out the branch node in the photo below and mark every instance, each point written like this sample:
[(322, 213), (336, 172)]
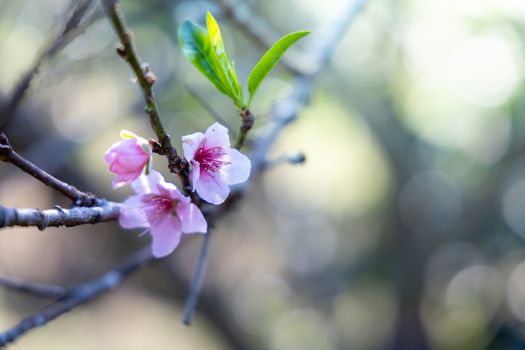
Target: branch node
[(247, 120), (5, 147), (299, 158), (85, 199), (156, 147), (128, 35), (4, 151), (148, 74), (44, 223), (59, 208), (247, 123), (121, 51)]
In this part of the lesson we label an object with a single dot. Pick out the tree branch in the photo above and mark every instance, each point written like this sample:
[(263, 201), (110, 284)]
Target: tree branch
[(40, 290), (78, 296), (287, 110), (104, 212), (146, 79), (77, 21), (196, 282), (247, 118), (213, 306), (8, 154), (294, 159), (257, 29)]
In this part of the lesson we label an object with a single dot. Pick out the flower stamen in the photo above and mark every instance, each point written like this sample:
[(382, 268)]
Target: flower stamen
[(210, 159)]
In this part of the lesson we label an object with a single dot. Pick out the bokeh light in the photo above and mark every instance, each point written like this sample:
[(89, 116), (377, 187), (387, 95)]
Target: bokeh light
[(404, 229)]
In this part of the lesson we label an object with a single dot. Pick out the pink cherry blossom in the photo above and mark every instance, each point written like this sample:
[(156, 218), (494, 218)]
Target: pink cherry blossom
[(214, 164), (127, 159), (160, 208)]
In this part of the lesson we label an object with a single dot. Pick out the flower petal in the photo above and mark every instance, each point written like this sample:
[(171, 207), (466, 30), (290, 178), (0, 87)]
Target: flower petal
[(132, 166), (217, 135), (179, 197), (132, 162), (127, 147), (195, 173), (238, 169), (148, 183), (122, 179), (191, 218), (213, 189), (166, 236), (191, 143), (109, 156), (167, 189), (131, 215)]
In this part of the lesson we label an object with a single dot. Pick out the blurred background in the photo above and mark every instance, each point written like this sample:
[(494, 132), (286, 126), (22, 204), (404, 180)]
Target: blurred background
[(404, 229)]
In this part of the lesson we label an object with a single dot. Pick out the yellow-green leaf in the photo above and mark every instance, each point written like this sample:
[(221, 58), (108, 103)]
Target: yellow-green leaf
[(270, 59), (214, 32), (224, 67)]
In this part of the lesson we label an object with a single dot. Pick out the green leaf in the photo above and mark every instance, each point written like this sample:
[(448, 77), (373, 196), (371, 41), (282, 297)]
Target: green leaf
[(196, 46), (270, 59), (204, 48)]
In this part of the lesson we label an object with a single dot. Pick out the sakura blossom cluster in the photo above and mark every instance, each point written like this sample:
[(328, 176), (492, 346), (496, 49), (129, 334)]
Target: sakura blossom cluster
[(158, 206)]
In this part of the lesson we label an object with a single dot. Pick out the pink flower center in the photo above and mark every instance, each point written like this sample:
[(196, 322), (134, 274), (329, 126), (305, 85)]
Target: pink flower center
[(210, 159), (155, 207)]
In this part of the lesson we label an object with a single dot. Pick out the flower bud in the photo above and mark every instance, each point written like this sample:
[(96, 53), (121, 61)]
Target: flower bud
[(128, 158)]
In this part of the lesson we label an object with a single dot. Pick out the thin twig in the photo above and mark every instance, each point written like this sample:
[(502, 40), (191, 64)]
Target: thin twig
[(8, 154), (298, 158), (285, 112), (196, 282), (78, 296), (77, 21), (103, 212), (40, 290), (258, 30), (146, 79), (213, 306), (211, 111), (329, 37), (245, 114)]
